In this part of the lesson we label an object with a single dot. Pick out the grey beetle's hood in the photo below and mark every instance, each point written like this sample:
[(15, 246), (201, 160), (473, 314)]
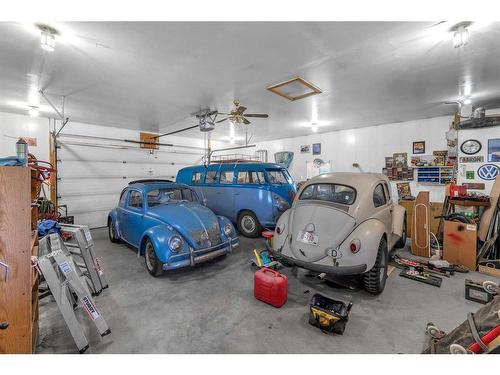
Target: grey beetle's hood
[(192, 220)]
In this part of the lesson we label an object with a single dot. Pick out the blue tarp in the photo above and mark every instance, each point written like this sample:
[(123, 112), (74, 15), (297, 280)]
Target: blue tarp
[(11, 161)]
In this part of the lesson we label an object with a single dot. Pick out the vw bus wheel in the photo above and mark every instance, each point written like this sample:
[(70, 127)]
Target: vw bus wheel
[(152, 263), (374, 280), (111, 231), (402, 241), (248, 225)]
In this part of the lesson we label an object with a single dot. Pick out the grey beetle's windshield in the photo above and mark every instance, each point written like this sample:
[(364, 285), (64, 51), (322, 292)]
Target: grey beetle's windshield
[(329, 192), (169, 195)]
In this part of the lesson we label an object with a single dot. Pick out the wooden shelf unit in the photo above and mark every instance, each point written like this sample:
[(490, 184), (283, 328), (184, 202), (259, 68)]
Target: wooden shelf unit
[(18, 243)]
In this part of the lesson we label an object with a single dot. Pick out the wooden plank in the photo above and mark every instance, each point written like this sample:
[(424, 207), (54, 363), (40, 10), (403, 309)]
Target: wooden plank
[(487, 215), (15, 250), (435, 210), (459, 244), (421, 226)]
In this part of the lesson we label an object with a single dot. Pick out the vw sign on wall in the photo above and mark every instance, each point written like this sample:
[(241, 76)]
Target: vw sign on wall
[(488, 172)]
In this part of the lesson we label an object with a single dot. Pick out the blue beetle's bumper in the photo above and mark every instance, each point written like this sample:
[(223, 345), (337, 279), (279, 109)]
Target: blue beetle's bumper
[(199, 256)]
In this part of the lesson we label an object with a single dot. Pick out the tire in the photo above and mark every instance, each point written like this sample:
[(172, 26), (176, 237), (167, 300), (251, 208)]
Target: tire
[(248, 224), (374, 280), (111, 232), (402, 241), (153, 264)]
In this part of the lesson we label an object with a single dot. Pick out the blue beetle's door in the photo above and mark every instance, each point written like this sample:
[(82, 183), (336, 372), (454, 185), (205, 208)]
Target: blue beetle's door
[(131, 223)]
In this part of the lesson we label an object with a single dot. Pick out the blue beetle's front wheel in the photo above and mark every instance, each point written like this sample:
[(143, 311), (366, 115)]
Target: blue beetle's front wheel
[(153, 264), (111, 231)]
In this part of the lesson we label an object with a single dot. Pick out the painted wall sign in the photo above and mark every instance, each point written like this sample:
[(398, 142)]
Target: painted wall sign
[(471, 159), (494, 150), (488, 172), (316, 148), (305, 149), (469, 175)]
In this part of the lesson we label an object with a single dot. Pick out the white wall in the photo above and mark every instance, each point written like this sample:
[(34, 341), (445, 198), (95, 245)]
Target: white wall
[(481, 135), (13, 126), (368, 147)]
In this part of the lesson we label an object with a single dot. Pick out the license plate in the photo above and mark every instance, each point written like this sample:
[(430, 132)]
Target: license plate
[(308, 238)]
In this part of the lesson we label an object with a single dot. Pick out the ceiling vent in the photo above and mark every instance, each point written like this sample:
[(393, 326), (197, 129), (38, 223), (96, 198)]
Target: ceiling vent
[(295, 89)]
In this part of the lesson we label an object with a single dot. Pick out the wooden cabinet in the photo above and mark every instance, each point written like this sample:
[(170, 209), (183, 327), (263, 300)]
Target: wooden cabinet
[(18, 243)]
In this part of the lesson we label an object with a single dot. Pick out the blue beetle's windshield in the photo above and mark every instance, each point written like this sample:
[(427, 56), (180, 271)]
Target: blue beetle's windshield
[(160, 196)]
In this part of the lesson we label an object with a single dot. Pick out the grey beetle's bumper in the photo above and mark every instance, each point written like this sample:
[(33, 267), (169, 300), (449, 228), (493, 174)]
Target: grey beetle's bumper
[(331, 270), (200, 256)]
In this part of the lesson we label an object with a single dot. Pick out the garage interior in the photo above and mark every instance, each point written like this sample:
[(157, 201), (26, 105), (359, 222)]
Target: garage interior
[(98, 241)]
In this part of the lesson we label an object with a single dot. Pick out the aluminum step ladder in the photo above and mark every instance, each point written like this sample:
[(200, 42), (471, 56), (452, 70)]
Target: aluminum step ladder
[(81, 246), (69, 288)]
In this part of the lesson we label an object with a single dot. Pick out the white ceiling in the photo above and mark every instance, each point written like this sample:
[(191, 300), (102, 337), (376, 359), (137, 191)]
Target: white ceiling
[(152, 75)]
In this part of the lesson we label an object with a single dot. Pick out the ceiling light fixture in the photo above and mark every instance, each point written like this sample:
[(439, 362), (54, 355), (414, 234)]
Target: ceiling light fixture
[(467, 101), (47, 37), (314, 127), (460, 34)]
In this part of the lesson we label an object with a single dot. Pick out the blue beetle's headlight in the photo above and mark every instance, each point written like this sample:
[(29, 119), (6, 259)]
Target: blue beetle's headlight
[(228, 229), (175, 243)]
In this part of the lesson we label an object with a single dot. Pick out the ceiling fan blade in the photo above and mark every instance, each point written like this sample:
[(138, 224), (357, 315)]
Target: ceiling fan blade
[(240, 110), (259, 115), (224, 119), (245, 121)]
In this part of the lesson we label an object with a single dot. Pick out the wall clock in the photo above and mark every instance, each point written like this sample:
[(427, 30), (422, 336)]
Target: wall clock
[(470, 147)]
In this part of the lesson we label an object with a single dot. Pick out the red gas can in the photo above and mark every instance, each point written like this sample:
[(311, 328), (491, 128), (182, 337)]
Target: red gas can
[(270, 286)]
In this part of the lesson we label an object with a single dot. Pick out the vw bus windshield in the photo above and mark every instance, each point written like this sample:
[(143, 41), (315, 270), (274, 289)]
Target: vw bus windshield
[(329, 192), (160, 196), (278, 176)]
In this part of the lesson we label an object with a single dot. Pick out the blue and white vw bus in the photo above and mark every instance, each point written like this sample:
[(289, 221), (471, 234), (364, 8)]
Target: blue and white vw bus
[(251, 195)]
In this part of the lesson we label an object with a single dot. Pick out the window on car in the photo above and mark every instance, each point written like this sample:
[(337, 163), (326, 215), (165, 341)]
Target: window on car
[(248, 177), (379, 198), (277, 176), (210, 177), (196, 178), (135, 199), (123, 198), (329, 192), (165, 195), (387, 191), (226, 177)]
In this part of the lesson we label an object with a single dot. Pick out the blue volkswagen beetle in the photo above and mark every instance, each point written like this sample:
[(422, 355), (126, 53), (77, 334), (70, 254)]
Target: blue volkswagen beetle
[(167, 224)]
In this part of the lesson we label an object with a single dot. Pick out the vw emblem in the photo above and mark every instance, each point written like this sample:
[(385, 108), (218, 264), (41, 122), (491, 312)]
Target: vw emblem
[(488, 171)]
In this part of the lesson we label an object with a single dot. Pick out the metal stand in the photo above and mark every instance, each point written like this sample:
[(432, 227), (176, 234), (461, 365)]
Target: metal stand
[(80, 244), (65, 282)]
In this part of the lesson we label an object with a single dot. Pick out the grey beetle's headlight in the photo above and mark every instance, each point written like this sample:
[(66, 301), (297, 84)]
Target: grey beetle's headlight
[(175, 243), (228, 229)]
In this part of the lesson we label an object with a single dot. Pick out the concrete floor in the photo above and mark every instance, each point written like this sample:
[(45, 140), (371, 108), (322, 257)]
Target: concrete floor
[(211, 309)]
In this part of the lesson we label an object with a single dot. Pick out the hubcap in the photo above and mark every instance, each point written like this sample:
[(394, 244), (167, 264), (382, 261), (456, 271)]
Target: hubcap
[(150, 253), (248, 224)]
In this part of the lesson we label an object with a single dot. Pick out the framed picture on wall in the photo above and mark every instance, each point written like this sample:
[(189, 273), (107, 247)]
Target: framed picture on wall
[(305, 149), (494, 150), (316, 148), (419, 147)]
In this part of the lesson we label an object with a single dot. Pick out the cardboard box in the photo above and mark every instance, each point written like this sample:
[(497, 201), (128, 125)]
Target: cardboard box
[(460, 244)]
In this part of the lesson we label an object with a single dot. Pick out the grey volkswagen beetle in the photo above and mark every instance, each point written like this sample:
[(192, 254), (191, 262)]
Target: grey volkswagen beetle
[(342, 224)]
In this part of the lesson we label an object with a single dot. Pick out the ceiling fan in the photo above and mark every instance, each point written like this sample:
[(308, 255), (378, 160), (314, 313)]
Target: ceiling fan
[(238, 115)]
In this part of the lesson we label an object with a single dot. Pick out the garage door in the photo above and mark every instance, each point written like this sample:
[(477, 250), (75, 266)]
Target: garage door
[(91, 176)]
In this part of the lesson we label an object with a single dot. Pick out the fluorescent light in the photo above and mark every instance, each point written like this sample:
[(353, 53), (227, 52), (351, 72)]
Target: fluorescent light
[(47, 41), (460, 37), (33, 111), (467, 101), (314, 128)]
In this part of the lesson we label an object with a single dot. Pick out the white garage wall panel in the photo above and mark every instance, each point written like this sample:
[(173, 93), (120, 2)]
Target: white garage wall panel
[(93, 171), (368, 147), (482, 135), (13, 126)]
